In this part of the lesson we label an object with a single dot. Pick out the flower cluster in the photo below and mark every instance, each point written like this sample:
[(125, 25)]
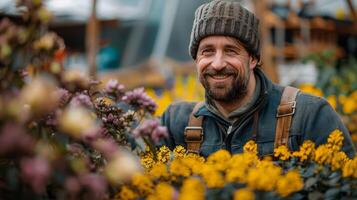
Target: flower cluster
[(61, 135), (151, 128), (114, 89), (139, 99), (246, 176)]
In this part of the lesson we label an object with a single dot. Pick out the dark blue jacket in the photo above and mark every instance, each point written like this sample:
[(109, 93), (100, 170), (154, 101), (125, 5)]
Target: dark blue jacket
[(314, 120)]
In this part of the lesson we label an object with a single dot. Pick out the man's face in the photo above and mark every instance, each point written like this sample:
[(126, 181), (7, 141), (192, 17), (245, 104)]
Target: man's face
[(224, 67)]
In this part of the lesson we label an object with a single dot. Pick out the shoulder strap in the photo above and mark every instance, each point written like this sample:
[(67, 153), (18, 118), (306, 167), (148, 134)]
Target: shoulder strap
[(285, 112), (194, 131)]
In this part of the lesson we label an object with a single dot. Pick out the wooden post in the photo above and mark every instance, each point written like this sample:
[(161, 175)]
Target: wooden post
[(353, 12), (266, 52), (92, 39)]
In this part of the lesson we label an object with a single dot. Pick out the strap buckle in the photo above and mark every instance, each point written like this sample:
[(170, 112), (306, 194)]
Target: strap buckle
[(193, 138), (291, 104)]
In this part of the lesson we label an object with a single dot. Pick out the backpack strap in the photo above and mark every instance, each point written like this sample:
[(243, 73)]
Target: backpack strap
[(285, 112), (194, 132)]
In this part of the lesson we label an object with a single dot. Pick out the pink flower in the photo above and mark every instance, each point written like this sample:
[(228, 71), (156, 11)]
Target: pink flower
[(35, 171), (13, 139), (95, 185), (107, 147), (159, 133), (151, 128), (139, 99)]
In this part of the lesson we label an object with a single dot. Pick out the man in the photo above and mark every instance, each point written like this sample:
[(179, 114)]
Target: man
[(241, 103)]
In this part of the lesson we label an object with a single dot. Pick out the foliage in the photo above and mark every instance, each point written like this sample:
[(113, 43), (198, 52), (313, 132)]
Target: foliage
[(337, 82), (324, 172), (60, 136)]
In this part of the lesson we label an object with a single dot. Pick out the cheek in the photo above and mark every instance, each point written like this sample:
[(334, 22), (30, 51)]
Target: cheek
[(201, 65)]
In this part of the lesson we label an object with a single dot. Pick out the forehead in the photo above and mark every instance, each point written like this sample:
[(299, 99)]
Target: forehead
[(217, 40)]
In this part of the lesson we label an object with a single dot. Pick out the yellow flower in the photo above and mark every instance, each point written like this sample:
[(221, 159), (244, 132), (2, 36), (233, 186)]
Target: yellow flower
[(179, 151), (251, 147), (164, 154), (163, 191), (159, 170), (335, 140), (162, 101), (307, 151), (178, 168), (311, 89), (238, 167), (264, 176), (289, 183), (192, 189), (323, 154), (143, 183), (194, 163), (282, 152), (354, 138), (332, 101), (244, 194), (338, 160), (126, 194), (349, 106), (350, 168), (219, 159), (147, 159), (212, 177)]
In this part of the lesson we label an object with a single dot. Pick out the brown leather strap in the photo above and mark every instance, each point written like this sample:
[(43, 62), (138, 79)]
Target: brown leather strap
[(285, 112), (255, 126), (194, 131)]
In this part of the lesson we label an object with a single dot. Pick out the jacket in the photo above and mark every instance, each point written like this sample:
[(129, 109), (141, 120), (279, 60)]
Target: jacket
[(314, 120)]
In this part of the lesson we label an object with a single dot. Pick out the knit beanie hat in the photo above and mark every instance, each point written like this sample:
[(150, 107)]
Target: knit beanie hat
[(228, 18)]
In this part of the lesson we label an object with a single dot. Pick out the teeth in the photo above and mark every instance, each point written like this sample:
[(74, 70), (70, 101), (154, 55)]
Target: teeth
[(220, 76)]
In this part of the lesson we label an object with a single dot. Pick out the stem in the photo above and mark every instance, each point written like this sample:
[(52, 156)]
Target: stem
[(152, 147)]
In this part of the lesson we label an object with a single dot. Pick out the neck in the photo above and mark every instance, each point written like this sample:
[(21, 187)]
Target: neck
[(227, 107)]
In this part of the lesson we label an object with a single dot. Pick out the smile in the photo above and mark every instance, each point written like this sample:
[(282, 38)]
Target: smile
[(220, 77)]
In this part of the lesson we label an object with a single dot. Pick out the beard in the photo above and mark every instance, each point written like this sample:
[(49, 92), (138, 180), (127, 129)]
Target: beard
[(230, 91)]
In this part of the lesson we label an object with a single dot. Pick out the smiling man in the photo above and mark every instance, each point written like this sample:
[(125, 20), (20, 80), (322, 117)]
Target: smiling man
[(241, 103)]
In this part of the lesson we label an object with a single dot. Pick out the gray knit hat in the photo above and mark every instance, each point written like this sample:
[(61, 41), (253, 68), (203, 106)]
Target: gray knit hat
[(229, 18)]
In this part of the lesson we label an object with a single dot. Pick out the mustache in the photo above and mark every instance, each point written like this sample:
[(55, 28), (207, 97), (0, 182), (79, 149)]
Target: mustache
[(224, 71)]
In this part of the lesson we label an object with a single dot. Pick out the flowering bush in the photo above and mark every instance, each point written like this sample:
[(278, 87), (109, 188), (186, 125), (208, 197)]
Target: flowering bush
[(184, 89), (60, 136), (324, 172), (337, 82)]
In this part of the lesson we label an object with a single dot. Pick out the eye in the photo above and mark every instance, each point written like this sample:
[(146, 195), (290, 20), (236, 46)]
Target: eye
[(232, 52), (207, 51)]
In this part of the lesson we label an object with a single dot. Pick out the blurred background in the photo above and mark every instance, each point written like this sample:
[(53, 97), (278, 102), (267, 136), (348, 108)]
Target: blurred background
[(310, 44), (145, 42)]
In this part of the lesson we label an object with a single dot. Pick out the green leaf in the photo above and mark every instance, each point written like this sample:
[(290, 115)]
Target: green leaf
[(310, 182), (308, 172), (332, 193), (315, 195)]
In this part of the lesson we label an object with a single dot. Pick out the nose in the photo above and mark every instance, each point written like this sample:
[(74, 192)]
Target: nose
[(218, 61)]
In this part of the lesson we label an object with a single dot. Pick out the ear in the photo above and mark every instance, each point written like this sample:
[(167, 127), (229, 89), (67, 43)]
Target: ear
[(252, 62)]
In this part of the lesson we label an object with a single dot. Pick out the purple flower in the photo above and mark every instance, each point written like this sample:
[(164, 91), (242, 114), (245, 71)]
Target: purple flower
[(64, 96), (35, 171), (114, 89), (151, 128), (14, 139), (72, 185), (107, 147), (95, 185), (81, 100), (138, 98), (159, 133)]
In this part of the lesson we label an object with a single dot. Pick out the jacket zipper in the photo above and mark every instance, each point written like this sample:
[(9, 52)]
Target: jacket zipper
[(242, 123), (229, 129)]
